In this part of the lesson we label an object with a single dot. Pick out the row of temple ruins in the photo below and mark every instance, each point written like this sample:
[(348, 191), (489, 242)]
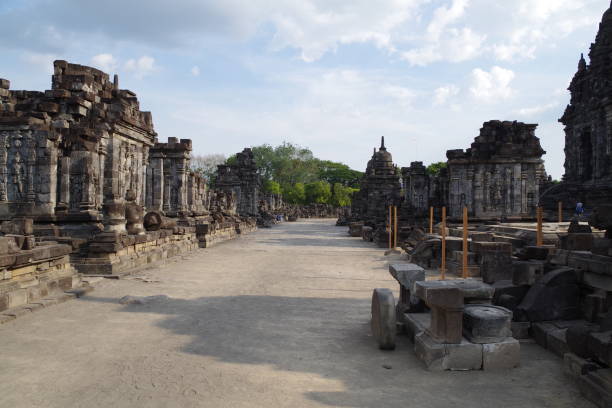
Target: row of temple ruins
[(512, 259), (87, 188)]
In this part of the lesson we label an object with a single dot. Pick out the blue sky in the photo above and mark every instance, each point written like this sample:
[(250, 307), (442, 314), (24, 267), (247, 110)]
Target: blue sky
[(327, 74)]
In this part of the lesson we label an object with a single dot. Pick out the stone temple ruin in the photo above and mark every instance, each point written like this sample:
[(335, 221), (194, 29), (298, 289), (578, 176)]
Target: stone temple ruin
[(467, 296), (85, 186)]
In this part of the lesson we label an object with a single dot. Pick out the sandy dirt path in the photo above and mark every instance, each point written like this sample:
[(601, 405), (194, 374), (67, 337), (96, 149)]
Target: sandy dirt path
[(278, 318)]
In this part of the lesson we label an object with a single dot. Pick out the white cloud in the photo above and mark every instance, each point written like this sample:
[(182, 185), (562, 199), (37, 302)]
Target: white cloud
[(316, 27), (42, 62), (536, 110), (443, 16), (456, 45), (195, 70), (446, 43), (492, 86), (140, 67), (105, 62), (444, 93)]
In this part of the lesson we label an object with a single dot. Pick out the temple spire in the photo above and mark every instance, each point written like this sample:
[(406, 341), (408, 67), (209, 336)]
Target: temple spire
[(582, 65), (382, 143)]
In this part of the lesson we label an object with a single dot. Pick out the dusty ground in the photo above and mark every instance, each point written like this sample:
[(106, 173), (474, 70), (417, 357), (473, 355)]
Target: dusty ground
[(278, 318)]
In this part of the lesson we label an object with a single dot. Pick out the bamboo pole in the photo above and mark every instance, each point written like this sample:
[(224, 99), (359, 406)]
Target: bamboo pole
[(390, 229), (539, 228), (443, 233), (560, 212), (431, 216), (465, 243), (394, 226)]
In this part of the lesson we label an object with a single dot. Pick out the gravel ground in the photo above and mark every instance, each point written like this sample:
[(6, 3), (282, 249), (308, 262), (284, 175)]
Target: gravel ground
[(278, 318)]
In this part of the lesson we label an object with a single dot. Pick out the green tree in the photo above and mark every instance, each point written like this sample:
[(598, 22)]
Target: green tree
[(342, 195), (334, 172), (434, 168), (294, 194), (272, 187), (318, 192)]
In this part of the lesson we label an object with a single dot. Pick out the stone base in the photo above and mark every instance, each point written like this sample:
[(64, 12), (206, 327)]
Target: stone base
[(596, 386), (35, 280), (465, 355), (415, 324), (228, 232), (217, 236), (155, 246), (455, 357)]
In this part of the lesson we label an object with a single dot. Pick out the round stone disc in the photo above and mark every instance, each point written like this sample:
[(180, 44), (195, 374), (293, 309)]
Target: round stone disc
[(383, 318)]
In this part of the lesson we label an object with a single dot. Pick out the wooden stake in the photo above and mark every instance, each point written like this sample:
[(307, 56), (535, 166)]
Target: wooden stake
[(560, 212), (539, 228), (394, 226), (465, 243), (431, 214), (443, 234), (390, 229)]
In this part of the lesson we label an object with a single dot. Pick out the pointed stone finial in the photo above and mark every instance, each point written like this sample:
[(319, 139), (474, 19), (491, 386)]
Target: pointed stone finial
[(382, 143), (116, 82), (582, 63)]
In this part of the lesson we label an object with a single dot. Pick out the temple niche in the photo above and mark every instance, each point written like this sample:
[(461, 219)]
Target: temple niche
[(499, 177)]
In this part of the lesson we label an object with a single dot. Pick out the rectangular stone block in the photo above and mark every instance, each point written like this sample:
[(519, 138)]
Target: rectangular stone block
[(596, 386), (440, 357), (502, 355), (574, 366), (526, 272), (520, 330)]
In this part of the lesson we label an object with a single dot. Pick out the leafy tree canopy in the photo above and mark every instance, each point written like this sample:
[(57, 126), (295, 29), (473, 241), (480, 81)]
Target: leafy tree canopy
[(434, 168), (300, 177)]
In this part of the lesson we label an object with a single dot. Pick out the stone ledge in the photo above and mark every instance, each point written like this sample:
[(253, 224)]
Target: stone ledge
[(12, 314)]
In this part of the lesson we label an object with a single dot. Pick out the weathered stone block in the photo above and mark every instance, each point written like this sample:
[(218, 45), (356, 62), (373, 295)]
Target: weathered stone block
[(383, 318), (439, 356), (502, 355), (600, 344), (446, 304), (575, 366), (596, 386), (486, 323), (554, 297), (520, 330), (526, 272)]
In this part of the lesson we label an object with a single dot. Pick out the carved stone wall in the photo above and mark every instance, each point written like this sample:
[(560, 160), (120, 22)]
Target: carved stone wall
[(499, 177), (72, 153), (416, 183), (244, 181), (168, 178), (588, 123)]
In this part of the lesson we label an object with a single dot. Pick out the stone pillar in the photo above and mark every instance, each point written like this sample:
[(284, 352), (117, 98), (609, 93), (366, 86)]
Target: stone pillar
[(446, 304)]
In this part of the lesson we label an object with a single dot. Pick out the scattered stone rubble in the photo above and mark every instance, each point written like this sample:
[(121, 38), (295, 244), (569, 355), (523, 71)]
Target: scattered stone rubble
[(557, 291)]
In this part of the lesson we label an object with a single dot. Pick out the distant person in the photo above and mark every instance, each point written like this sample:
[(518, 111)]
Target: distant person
[(579, 209)]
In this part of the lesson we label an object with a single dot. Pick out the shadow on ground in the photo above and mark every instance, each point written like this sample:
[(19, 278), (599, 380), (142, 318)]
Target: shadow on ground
[(330, 337)]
